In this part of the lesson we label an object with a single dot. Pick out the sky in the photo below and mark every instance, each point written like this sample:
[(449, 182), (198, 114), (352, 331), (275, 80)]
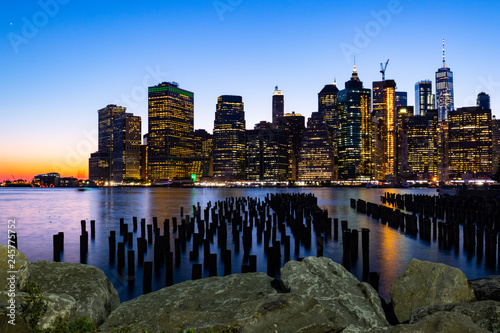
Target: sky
[(62, 60)]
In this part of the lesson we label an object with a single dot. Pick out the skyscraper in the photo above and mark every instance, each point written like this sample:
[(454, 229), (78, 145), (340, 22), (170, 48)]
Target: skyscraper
[(203, 159), (171, 126), (278, 106), (126, 148), (424, 99), (401, 98), (354, 131), (316, 153), (293, 125), (100, 162), (385, 125), (327, 105), (229, 139), (483, 100), (470, 143), (444, 90)]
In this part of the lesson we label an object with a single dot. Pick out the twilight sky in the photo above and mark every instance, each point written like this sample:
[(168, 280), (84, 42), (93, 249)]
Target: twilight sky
[(62, 60)]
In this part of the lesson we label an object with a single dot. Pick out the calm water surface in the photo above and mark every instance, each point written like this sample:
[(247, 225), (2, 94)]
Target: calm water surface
[(41, 213)]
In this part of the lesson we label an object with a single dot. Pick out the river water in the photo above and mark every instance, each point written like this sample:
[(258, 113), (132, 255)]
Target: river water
[(39, 213)]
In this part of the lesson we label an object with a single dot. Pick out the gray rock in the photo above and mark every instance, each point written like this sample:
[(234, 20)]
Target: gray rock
[(19, 327), (354, 303), (487, 288), (442, 322), (59, 307), (94, 294), (20, 265), (425, 283), (485, 314)]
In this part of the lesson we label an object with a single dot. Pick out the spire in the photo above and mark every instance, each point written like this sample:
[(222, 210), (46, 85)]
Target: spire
[(444, 59), (334, 81), (276, 88)]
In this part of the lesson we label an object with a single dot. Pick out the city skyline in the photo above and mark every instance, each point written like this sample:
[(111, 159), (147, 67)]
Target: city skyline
[(78, 59)]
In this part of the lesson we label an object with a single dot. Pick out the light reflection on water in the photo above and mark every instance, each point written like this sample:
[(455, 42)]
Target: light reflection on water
[(41, 213)]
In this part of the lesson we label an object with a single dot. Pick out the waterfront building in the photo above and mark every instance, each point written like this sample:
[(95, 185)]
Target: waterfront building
[(278, 106), (354, 131), (292, 126), (203, 159), (470, 143), (327, 105), (444, 90), (266, 153), (423, 145), (126, 155), (424, 98), (229, 139), (403, 113), (316, 153), (384, 129), (495, 129), (100, 162), (171, 126)]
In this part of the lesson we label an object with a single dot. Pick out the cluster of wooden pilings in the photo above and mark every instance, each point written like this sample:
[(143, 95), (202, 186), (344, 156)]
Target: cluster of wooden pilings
[(276, 221), (447, 219)]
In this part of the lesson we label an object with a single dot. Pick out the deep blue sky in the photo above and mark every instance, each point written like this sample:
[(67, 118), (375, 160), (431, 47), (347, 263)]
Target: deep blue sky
[(88, 54)]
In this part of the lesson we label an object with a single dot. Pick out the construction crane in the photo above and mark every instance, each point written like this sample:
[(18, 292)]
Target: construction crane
[(383, 69)]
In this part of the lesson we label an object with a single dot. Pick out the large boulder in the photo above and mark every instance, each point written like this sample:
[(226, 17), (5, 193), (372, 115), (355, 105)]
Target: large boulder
[(355, 304), (442, 322), (487, 288), (11, 260), (94, 294), (425, 283), (485, 314), (318, 301)]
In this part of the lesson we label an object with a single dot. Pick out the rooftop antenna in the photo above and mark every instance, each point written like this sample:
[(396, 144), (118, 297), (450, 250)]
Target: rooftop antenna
[(444, 59), (276, 88)]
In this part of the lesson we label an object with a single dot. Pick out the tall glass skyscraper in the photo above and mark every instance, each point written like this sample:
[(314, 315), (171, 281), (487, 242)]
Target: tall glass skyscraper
[(354, 131), (424, 99), (229, 139), (171, 127), (126, 147), (327, 105), (444, 90), (278, 106)]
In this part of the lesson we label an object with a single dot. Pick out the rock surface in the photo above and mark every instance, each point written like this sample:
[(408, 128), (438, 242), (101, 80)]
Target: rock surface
[(442, 322), (487, 288), (425, 283), (485, 314), (94, 294), (319, 301), (21, 264), (355, 303), (59, 307)]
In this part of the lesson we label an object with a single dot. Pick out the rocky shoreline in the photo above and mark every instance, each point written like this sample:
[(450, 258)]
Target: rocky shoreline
[(314, 295)]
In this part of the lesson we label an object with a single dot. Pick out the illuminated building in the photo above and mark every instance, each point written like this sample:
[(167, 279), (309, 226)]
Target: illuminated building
[(266, 154), (292, 126), (327, 105), (229, 139), (403, 112), (316, 153), (278, 106), (203, 158), (423, 147), (444, 90), (100, 164), (126, 154), (401, 98), (385, 126), (144, 157), (424, 98), (495, 128), (354, 131), (470, 143), (483, 100), (171, 125)]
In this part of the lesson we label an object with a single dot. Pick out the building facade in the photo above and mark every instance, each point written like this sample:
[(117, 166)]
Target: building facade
[(292, 126), (444, 90), (278, 106), (354, 131), (126, 154), (229, 139), (424, 98), (170, 129)]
